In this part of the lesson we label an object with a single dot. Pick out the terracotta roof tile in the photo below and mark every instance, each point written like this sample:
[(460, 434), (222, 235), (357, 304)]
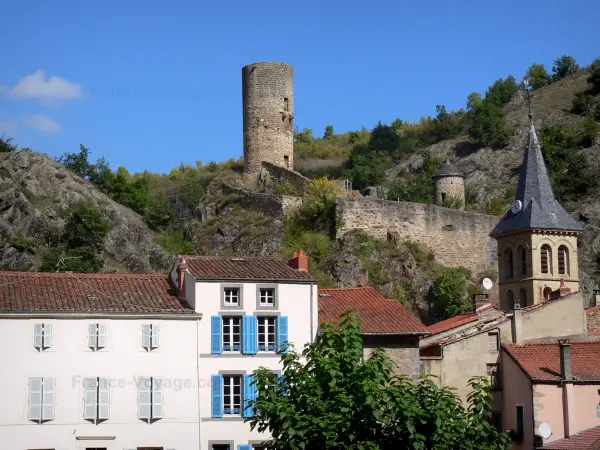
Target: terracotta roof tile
[(246, 268), (592, 309), (453, 322), (584, 440), (78, 292), (541, 360), (376, 313)]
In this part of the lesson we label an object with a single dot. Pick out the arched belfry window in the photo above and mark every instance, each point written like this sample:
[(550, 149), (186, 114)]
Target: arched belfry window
[(523, 255), (563, 260), (508, 263), (546, 259)]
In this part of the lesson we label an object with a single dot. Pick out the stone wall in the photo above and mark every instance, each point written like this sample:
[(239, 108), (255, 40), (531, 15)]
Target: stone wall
[(456, 238), (281, 174), (268, 113), (403, 351), (593, 318), (271, 205)]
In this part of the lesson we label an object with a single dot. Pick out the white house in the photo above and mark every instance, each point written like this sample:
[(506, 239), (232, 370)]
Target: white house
[(120, 362), (250, 308)]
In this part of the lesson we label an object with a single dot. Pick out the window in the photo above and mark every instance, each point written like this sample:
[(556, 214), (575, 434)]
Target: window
[(519, 419), (42, 336), (232, 334), (497, 420), (523, 261), (522, 297), (150, 336), (443, 194), (508, 263), (220, 447), (267, 297), (231, 297), (286, 104), (546, 259), (563, 260), (510, 300), (97, 336), (448, 227), (286, 161), (266, 334), (493, 373), (150, 398), (493, 342), (231, 395), (41, 399), (96, 399)]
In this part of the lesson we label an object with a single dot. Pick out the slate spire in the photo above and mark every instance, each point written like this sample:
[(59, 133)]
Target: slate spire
[(535, 205)]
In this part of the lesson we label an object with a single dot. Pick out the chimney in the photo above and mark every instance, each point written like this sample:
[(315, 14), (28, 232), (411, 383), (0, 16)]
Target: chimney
[(181, 268), (364, 278), (299, 261), (562, 291), (517, 324), (566, 373), (565, 360)]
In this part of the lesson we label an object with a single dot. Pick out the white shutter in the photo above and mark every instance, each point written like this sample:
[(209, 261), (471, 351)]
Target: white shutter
[(47, 335), (144, 388), (157, 398), (38, 341), (103, 398), (154, 336), (90, 398), (35, 398), (146, 333), (92, 341), (48, 399), (101, 336)]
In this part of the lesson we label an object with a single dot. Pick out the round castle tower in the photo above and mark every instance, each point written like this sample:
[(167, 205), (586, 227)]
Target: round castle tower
[(268, 102), (449, 184)]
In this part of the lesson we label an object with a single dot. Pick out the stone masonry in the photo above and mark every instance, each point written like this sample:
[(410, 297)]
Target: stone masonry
[(456, 238), (268, 109)]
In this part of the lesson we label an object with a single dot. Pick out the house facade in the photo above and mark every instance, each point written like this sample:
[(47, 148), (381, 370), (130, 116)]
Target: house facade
[(252, 309), (96, 361)]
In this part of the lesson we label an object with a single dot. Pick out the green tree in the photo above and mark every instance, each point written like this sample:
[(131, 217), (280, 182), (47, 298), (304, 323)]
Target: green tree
[(318, 201), (159, 213), (450, 292), (85, 227), (489, 127), (339, 400), (328, 131), (77, 163), (6, 146), (537, 76), (563, 66), (473, 101), (305, 136), (502, 91), (590, 131), (594, 78)]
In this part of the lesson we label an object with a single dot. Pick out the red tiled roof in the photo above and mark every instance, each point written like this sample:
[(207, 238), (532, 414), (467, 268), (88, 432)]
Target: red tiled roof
[(593, 332), (377, 314), (453, 322), (592, 309), (541, 360), (246, 268), (78, 292), (584, 440)]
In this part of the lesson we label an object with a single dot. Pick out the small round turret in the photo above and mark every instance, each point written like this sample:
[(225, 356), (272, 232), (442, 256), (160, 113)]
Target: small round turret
[(449, 185)]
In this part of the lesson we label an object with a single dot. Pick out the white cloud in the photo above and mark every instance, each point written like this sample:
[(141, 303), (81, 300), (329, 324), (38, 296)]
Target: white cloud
[(42, 123), (8, 126), (36, 86)]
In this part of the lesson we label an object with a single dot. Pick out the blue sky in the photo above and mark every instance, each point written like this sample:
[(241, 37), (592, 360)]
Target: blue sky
[(151, 84)]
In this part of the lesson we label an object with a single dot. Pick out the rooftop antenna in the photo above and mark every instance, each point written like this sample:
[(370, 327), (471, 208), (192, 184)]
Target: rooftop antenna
[(528, 96)]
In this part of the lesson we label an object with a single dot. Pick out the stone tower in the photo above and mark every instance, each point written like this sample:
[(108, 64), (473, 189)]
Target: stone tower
[(268, 102), (449, 184), (537, 238)]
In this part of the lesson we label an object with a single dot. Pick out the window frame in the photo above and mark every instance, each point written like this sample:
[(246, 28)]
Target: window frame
[(46, 336), (547, 250), (497, 341), (268, 347), (231, 334), (494, 379), (240, 303), (565, 260), (261, 306), (509, 264), (522, 430), (231, 405)]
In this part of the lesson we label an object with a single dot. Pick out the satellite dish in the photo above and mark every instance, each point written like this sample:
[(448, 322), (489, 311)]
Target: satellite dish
[(545, 431), (487, 284), (516, 207)]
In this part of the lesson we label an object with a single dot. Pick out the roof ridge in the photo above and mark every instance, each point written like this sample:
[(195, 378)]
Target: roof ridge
[(350, 288), (83, 274), (554, 343)]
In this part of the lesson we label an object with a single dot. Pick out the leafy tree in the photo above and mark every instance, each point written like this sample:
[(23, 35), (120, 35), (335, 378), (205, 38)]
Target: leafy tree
[(537, 76), (318, 201), (563, 66), (305, 136), (594, 78), (383, 139), (328, 131), (473, 101), (366, 168), (489, 127), (85, 227), (78, 163), (450, 292), (339, 400), (82, 259), (502, 91), (6, 146), (590, 131), (159, 213), (418, 189)]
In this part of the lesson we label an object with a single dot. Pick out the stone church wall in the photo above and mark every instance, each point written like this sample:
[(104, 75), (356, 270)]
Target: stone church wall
[(456, 238)]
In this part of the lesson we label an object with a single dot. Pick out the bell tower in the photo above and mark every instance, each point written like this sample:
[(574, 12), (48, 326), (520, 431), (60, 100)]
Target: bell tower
[(537, 238)]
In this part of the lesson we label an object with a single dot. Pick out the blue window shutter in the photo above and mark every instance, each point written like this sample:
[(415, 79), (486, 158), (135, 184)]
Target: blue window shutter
[(247, 395), (250, 335), (217, 333), (217, 395), (282, 331), (245, 334), (245, 447), (281, 382)]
